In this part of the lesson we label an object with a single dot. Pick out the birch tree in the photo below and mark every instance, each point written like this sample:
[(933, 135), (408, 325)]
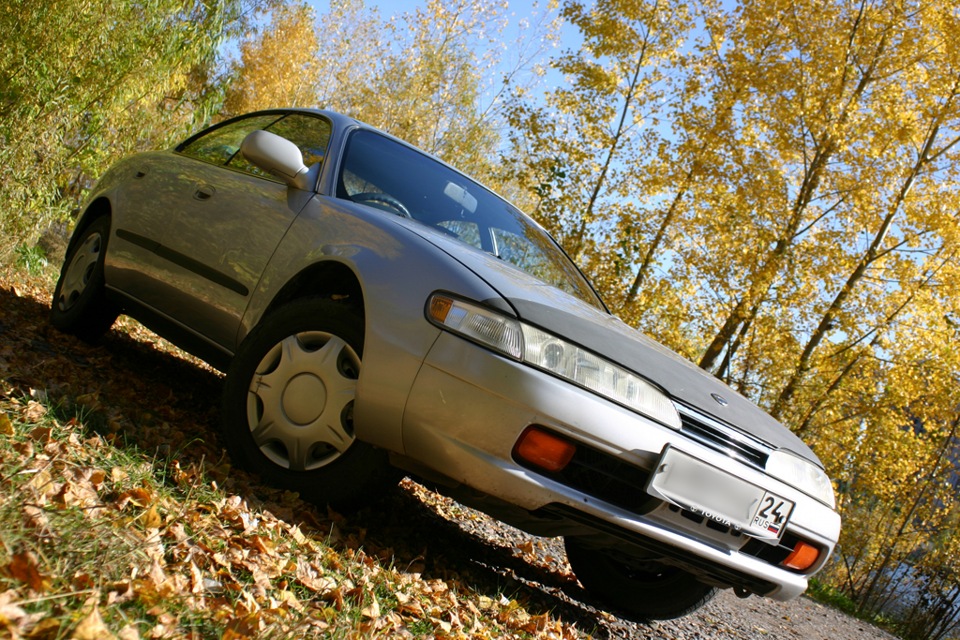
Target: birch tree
[(577, 153)]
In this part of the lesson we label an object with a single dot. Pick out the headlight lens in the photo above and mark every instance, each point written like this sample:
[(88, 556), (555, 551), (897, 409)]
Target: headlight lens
[(553, 355), (801, 474), (479, 324)]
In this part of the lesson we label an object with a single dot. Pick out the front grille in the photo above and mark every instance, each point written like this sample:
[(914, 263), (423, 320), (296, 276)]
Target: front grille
[(723, 438), (608, 478)]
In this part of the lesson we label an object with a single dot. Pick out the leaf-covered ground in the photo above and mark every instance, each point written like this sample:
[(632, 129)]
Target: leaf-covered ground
[(120, 517)]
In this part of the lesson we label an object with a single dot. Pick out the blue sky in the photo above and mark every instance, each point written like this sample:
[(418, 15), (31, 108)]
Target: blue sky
[(517, 11), (388, 8)]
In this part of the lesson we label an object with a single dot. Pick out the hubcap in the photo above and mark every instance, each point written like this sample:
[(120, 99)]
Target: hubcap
[(304, 399), (80, 271), (300, 400)]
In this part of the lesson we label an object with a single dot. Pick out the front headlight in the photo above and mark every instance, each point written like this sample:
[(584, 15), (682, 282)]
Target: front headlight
[(479, 324), (801, 474), (553, 355)]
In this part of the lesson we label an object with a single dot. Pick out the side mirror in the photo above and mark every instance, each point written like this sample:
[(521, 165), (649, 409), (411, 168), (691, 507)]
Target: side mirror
[(277, 156)]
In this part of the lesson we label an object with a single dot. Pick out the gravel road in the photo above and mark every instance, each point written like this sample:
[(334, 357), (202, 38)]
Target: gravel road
[(482, 550), (728, 617)]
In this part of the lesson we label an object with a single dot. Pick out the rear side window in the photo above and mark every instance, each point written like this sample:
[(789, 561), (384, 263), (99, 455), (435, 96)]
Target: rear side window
[(221, 145)]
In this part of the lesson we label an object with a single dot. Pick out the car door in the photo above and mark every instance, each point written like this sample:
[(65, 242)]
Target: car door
[(223, 220)]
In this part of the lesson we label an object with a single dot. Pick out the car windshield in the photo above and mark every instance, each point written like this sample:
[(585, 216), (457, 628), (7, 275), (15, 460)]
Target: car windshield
[(433, 194)]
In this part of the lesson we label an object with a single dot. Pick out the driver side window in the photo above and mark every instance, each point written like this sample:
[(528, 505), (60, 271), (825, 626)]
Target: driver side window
[(221, 146), (218, 146)]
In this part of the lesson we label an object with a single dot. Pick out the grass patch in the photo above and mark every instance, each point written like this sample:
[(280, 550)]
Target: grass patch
[(101, 540), (32, 259), (835, 598)]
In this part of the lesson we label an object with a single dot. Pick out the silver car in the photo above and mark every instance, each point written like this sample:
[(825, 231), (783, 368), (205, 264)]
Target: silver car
[(375, 310)]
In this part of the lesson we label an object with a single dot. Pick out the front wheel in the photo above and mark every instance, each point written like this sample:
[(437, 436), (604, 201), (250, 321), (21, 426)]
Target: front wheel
[(646, 589), (288, 404), (80, 305)]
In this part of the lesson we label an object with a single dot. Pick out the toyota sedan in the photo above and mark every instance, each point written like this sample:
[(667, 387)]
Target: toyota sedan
[(377, 311)]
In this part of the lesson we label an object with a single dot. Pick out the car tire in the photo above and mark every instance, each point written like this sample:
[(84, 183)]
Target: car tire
[(287, 411), (80, 305), (645, 590)]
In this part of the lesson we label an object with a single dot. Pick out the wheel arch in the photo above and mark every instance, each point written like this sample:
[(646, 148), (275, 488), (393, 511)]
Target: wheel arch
[(327, 279), (97, 208)]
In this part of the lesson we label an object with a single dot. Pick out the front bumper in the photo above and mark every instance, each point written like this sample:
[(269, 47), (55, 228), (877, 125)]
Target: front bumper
[(468, 406)]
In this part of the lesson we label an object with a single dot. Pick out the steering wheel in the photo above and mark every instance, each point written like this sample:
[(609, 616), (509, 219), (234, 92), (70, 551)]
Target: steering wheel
[(382, 201)]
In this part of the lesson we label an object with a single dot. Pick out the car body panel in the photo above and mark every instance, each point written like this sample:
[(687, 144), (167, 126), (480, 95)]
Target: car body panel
[(211, 232), (133, 266)]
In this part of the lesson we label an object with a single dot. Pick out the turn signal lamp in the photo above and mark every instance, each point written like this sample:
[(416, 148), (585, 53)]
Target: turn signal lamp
[(802, 557), (543, 449)]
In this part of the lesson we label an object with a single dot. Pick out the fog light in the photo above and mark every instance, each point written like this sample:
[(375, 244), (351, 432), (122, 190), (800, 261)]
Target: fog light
[(802, 557), (545, 450)]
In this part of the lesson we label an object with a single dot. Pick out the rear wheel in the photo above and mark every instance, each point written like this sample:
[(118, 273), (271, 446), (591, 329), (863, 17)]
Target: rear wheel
[(80, 305), (288, 405), (649, 590)]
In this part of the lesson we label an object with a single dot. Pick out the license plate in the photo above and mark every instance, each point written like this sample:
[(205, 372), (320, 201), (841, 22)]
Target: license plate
[(699, 487)]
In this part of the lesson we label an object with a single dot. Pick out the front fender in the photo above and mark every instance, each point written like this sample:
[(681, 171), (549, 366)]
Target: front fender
[(397, 270), (102, 198)]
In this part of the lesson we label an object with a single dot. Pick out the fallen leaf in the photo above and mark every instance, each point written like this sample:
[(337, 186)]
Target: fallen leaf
[(11, 614), (92, 627), (6, 427), (151, 518), (90, 401), (97, 477), (34, 411), (46, 628), (372, 610), (129, 632), (140, 497), (42, 435), (24, 567)]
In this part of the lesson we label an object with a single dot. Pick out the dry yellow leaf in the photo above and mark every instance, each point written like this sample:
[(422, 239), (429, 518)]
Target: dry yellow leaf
[(151, 518), (91, 627), (372, 610), (6, 427)]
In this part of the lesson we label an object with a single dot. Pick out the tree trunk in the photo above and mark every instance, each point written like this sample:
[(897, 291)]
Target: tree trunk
[(766, 274), (874, 252)]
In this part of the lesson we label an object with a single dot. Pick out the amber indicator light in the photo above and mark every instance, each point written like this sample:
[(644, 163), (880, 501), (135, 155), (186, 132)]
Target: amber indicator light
[(440, 307), (544, 450), (802, 557)]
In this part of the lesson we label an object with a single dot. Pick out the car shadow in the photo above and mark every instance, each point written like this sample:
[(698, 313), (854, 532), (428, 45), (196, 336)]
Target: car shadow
[(139, 393)]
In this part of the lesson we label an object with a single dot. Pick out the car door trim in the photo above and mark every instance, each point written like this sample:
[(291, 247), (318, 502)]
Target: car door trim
[(188, 263)]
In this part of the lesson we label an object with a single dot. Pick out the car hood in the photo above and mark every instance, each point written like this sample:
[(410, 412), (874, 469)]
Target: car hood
[(596, 330)]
